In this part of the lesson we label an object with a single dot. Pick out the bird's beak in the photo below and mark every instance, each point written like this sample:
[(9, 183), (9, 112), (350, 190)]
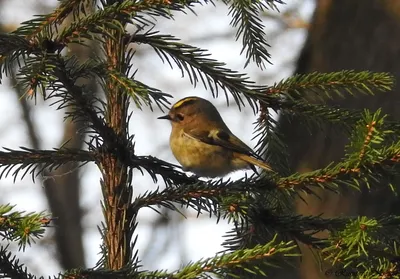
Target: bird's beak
[(165, 117)]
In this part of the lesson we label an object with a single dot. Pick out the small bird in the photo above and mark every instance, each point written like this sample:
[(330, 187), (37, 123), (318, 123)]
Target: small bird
[(203, 144)]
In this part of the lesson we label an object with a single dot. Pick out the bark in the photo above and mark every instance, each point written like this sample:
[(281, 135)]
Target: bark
[(359, 35), (116, 187), (62, 190), (61, 187)]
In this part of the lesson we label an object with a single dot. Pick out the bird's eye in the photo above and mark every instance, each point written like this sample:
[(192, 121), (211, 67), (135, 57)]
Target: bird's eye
[(179, 117)]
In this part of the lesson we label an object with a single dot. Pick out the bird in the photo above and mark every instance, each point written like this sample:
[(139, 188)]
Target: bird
[(203, 144)]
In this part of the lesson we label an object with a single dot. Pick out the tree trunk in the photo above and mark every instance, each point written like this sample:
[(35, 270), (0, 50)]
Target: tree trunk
[(359, 35)]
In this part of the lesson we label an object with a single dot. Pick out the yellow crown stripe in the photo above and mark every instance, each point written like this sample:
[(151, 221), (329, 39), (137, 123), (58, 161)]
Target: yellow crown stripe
[(183, 101)]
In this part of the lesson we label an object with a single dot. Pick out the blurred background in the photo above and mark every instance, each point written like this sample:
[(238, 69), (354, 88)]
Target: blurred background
[(359, 34)]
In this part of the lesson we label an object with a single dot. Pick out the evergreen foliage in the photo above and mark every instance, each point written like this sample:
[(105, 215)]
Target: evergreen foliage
[(265, 232)]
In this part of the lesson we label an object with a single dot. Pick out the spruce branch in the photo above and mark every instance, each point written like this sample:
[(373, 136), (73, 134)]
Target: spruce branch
[(36, 75), (366, 142), (126, 272), (367, 138), (333, 175), (60, 75), (246, 16), (195, 62), (365, 244), (187, 188), (10, 266), (319, 115), (75, 96), (247, 260), (140, 92), (322, 86), (14, 48), (270, 144), (200, 200), (97, 23), (34, 36), (383, 269), (297, 95), (328, 178), (45, 25), (116, 16), (197, 194), (316, 115), (32, 161), (212, 196), (357, 244), (260, 222), (23, 228), (168, 172), (206, 196), (164, 8)]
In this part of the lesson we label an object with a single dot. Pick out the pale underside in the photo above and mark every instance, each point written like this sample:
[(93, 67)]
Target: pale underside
[(211, 160)]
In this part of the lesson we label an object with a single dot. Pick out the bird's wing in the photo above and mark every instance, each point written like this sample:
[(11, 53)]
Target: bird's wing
[(220, 138), (231, 142)]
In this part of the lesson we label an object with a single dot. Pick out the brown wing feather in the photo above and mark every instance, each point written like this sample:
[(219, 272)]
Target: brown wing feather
[(231, 142), (220, 138), (253, 161)]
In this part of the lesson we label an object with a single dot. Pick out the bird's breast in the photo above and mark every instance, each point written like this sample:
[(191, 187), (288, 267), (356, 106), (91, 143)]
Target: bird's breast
[(201, 158)]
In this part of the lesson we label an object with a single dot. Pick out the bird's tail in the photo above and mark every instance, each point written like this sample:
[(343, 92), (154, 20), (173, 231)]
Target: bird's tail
[(254, 162)]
